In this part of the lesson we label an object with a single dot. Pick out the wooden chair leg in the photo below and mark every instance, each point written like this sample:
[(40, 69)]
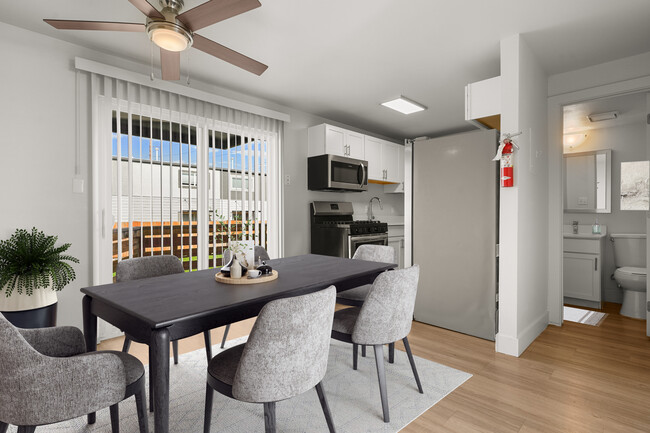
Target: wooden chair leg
[(355, 355), (150, 381), (141, 409), (115, 418), (391, 353), (208, 345), (405, 340), (127, 344), (3, 427), (26, 429), (207, 416), (381, 375), (175, 349), (363, 350), (92, 417), (325, 406), (225, 336), (269, 417)]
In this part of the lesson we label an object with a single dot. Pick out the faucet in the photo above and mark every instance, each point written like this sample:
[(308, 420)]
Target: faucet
[(575, 227), (370, 215)]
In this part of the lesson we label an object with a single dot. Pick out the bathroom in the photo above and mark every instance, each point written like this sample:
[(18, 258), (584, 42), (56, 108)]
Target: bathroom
[(618, 138)]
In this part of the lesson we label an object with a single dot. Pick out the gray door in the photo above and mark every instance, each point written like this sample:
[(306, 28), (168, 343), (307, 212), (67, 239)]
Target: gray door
[(455, 221)]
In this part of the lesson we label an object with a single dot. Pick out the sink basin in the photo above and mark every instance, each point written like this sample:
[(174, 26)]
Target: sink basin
[(584, 232)]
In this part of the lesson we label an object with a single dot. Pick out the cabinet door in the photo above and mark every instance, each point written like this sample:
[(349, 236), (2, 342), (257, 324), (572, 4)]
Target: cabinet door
[(335, 141), (582, 276), (373, 156), (396, 243), (355, 145), (400, 161), (390, 159)]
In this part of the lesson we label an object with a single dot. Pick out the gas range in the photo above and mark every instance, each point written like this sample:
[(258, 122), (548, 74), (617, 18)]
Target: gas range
[(334, 231)]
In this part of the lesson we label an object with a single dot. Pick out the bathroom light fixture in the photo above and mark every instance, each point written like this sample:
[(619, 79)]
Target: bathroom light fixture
[(404, 105), (572, 141), (169, 36), (599, 117)]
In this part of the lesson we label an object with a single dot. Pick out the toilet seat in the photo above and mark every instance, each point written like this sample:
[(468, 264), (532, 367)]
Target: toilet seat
[(630, 270), (631, 278)]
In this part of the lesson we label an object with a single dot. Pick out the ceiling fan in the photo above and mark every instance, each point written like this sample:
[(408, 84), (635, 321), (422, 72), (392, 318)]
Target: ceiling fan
[(173, 31)]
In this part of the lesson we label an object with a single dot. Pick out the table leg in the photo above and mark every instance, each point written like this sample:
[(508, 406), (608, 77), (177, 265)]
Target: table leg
[(90, 335), (159, 360)]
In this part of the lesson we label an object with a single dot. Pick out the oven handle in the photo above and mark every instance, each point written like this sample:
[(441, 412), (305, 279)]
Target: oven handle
[(369, 238)]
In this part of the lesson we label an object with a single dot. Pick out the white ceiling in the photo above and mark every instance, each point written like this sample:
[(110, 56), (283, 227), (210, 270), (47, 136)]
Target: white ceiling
[(341, 58)]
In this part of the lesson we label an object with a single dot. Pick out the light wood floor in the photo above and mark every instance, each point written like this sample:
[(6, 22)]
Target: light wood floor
[(574, 378)]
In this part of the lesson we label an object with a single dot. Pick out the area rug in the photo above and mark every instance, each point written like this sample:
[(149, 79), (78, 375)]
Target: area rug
[(353, 398), (586, 317)]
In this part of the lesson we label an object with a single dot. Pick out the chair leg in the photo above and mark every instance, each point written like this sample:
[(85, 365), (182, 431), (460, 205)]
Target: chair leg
[(269, 417), (26, 429), (412, 361), (3, 427), (363, 350), (207, 416), (115, 418), (92, 417), (391, 353), (175, 349), (355, 355), (150, 381), (381, 375), (225, 336), (127, 344), (325, 406), (141, 409), (208, 345)]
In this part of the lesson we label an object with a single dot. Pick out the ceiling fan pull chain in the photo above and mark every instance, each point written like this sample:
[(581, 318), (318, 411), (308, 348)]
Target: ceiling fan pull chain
[(152, 75)]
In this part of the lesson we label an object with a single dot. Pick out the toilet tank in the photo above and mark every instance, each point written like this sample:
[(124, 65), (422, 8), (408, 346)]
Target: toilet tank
[(629, 250)]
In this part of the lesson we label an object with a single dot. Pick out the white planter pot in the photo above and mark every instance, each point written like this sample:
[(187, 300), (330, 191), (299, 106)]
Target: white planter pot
[(21, 302)]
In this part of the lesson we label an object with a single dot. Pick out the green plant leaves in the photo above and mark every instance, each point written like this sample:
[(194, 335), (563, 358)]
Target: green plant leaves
[(30, 260)]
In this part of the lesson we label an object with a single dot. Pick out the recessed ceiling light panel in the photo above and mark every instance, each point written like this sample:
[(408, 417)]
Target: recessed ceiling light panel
[(404, 105)]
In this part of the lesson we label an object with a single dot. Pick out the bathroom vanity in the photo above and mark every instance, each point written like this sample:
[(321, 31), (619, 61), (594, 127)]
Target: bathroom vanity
[(583, 252)]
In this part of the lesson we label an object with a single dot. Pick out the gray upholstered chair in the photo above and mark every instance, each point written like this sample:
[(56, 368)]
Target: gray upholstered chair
[(148, 267), (48, 377), (370, 253), (260, 253), (286, 355), (356, 296), (385, 317)]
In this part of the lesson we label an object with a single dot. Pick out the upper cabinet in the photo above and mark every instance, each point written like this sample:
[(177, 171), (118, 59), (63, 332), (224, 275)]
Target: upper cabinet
[(483, 103), (328, 139), (385, 160)]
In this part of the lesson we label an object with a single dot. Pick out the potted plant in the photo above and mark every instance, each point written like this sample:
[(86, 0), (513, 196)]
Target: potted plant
[(32, 270)]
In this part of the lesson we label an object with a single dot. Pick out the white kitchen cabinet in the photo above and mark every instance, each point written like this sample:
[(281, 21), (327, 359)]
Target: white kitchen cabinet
[(396, 240), (384, 160), (329, 139)]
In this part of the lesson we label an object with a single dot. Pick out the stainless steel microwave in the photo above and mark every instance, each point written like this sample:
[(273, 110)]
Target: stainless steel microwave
[(336, 173)]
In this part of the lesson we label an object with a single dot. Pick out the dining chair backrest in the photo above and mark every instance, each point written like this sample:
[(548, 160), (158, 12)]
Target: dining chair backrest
[(259, 251), (287, 349), (387, 313), (147, 267), (375, 253)]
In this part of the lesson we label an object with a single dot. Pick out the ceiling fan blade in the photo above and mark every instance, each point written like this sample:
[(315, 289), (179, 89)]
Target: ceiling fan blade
[(96, 25), (228, 55), (146, 8), (214, 11), (170, 64)]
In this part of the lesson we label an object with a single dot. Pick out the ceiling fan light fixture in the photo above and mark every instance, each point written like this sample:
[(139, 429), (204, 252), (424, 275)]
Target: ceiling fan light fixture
[(404, 105), (169, 36)]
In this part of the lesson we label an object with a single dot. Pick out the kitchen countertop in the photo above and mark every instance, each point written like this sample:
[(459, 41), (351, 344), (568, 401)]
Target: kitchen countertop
[(392, 220)]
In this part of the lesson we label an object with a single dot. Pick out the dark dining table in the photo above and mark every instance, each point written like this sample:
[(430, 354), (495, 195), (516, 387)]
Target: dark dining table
[(170, 307)]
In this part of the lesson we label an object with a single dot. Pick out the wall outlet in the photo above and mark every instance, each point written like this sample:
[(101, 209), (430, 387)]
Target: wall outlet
[(77, 185), (582, 201), (287, 179)]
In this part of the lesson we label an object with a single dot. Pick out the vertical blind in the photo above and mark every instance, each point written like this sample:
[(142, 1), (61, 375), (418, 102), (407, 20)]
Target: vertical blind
[(187, 176)]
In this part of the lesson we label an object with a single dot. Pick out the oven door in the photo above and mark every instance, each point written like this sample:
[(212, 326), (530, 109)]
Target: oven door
[(355, 241)]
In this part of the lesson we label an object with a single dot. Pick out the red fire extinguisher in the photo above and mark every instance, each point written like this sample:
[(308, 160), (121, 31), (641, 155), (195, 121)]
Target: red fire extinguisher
[(505, 156)]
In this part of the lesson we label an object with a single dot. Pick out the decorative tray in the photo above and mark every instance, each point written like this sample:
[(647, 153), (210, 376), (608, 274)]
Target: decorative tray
[(245, 280)]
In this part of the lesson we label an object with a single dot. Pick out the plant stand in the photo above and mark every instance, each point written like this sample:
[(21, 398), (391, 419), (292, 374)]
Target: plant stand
[(37, 318)]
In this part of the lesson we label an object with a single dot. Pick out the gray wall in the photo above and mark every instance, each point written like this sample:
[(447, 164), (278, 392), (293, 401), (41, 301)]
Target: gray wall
[(628, 143), (39, 153)]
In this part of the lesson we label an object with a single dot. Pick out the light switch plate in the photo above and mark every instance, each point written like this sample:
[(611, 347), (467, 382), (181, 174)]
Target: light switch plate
[(78, 185)]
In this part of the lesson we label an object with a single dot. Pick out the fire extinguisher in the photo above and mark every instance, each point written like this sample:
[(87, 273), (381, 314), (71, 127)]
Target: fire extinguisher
[(505, 155)]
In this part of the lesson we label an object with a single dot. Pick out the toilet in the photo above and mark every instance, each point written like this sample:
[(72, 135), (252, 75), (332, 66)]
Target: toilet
[(630, 274)]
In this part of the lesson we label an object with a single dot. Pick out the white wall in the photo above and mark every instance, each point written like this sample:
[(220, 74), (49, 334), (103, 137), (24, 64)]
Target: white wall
[(628, 144), (39, 153), (619, 77), (523, 208)]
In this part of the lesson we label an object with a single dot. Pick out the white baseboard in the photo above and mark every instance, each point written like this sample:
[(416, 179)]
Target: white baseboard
[(515, 346)]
